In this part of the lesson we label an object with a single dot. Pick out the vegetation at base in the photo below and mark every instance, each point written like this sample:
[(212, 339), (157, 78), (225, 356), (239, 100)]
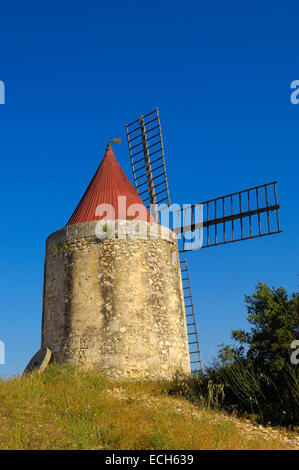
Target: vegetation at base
[(65, 408), (256, 373)]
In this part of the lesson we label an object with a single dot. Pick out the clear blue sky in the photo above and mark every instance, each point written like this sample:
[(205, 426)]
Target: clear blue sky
[(76, 72)]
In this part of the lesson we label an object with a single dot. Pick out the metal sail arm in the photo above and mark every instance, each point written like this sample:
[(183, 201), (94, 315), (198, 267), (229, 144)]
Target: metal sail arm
[(246, 214), (147, 158), (193, 342)]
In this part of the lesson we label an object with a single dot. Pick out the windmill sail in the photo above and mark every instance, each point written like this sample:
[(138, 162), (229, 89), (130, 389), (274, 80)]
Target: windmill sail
[(246, 214), (147, 158), (190, 316), (149, 172)]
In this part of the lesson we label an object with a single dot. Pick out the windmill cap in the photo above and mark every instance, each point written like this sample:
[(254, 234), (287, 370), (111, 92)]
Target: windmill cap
[(110, 188)]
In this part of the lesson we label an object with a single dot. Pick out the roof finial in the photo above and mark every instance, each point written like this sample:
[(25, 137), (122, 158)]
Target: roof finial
[(109, 146), (115, 140)]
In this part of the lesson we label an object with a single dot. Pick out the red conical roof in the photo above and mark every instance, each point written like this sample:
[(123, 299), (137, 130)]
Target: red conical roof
[(108, 183)]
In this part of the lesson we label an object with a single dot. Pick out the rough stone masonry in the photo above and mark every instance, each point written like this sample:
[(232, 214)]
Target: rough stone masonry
[(115, 304)]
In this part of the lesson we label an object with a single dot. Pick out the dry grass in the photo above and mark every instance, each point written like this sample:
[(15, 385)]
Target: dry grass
[(68, 409)]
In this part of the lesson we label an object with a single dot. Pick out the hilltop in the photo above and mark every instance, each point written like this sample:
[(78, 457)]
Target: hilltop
[(65, 408)]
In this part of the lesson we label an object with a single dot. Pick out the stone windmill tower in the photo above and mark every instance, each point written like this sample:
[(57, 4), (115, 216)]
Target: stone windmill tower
[(115, 302)]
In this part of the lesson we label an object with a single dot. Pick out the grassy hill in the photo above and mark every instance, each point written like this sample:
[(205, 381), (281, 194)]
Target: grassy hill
[(65, 408)]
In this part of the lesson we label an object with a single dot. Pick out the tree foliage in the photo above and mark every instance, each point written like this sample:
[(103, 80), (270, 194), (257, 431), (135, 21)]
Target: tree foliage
[(274, 319), (256, 370)]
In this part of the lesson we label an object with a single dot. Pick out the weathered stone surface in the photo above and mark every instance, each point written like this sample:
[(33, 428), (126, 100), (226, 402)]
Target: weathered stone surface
[(115, 304), (39, 362)]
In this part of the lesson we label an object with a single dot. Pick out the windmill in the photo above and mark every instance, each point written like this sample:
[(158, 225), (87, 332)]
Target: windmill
[(246, 214)]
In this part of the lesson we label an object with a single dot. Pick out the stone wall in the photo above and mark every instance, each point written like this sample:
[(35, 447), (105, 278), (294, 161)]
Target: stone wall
[(115, 304)]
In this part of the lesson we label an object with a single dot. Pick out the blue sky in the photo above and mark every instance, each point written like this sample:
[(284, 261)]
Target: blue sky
[(76, 72)]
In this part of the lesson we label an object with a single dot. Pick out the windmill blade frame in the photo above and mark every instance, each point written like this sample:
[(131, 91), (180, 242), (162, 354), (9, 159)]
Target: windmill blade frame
[(193, 342), (147, 158), (243, 215)]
